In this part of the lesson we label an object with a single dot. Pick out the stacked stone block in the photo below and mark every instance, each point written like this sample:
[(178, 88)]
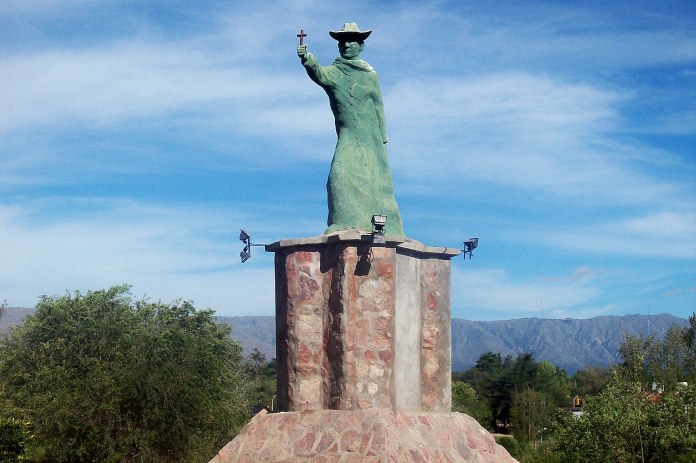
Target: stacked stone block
[(348, 310)]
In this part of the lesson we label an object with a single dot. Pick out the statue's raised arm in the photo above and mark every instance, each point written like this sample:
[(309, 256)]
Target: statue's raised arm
[(360, 182)]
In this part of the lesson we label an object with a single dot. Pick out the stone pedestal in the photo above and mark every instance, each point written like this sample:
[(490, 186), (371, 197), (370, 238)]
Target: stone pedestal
[(364, 359), (362, 325)]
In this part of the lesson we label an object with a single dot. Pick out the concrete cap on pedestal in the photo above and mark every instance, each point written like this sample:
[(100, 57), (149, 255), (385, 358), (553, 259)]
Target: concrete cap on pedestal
[(365, 236)]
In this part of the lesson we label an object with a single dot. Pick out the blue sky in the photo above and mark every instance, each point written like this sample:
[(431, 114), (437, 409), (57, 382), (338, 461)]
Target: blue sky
[(137, 138)]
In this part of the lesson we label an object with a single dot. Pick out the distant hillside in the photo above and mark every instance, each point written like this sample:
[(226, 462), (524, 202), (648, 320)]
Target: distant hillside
[(251, 332), (256, 332), (13, 316), (571, 344)]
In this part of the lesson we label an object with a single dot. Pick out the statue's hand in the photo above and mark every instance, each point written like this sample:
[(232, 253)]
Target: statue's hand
[(302, 52)]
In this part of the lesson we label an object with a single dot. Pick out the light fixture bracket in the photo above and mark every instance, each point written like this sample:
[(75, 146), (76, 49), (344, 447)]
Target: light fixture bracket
[(469, 246), (245, 238)]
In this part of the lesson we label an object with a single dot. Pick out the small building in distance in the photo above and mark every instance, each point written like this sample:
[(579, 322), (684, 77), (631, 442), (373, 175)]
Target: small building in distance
[(577, 404)]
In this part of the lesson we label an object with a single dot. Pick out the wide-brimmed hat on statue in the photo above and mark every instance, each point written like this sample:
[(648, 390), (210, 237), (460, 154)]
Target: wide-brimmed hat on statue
[(350, 33)]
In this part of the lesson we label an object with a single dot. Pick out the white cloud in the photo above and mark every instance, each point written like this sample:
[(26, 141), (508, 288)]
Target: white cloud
[(527, 132), (662, 225), (582, 312), (492, 293), (511, 115), (584, 37), (168, 253), (667, 234), (520, 100), (510, 128), (39, 6), (131, 80)]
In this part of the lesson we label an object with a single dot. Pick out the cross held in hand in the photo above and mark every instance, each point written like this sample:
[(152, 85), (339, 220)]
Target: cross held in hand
[(302, 35)]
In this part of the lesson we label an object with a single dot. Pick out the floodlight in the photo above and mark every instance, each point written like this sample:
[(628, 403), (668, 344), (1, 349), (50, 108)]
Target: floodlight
[(469, 246), (245, 238), (379, 221)]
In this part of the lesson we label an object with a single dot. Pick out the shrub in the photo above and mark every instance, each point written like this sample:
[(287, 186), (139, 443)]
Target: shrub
[(104, 378)]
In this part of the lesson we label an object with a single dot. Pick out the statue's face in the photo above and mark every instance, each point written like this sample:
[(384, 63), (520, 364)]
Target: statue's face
[(350, 50)]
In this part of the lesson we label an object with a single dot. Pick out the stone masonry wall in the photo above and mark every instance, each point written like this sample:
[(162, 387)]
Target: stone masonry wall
[(336, 311)]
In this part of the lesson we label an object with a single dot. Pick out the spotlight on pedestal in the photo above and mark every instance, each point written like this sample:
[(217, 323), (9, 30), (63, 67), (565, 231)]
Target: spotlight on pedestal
[(379, 221), (245, 238), (469, 246)]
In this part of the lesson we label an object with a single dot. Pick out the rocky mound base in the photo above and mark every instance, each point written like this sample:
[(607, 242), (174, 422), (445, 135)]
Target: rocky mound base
[(363, 436)]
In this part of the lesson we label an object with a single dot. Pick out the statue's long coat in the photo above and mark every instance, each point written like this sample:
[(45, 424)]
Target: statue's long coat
[(360, 182)]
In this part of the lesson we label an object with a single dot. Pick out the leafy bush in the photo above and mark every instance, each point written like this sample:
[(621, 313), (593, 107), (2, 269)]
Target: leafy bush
[(627, 423), (510, 444), (14, 436), (104, 378), (465, 400), (542, 454)]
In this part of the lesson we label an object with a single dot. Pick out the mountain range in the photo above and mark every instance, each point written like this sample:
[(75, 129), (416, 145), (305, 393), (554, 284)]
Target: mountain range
[(571, 344)]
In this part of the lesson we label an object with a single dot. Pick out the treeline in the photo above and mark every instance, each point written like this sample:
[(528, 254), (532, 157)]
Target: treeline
[(500, 393), (642, 410), (102, 377)]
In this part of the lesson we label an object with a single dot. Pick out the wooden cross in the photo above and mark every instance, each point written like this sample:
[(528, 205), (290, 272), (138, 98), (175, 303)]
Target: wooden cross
[(302, 35)]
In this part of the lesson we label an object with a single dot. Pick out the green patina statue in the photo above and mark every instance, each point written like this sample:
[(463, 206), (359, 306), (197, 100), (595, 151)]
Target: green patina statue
[(360, 182)]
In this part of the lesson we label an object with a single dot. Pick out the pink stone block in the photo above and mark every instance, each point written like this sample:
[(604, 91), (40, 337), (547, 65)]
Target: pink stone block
[(350, 441), (385, 270), (305, 444), (384, 323), (385, 355), (431, 302), (364, 403), (305, 257), (328, 441)]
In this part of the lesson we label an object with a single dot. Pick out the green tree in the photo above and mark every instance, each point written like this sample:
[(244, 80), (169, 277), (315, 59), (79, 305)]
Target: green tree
[(103, 378), (524, 371), (690, 343), (263, 376), (624, 423), (496, 380), (465, 400), (14, 439), (489, 367), (517, 375), (553, 382), (590, 381), (665, 362), (526, 414), (490, 363), (632, 421), (690, 335), (632, 352)]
